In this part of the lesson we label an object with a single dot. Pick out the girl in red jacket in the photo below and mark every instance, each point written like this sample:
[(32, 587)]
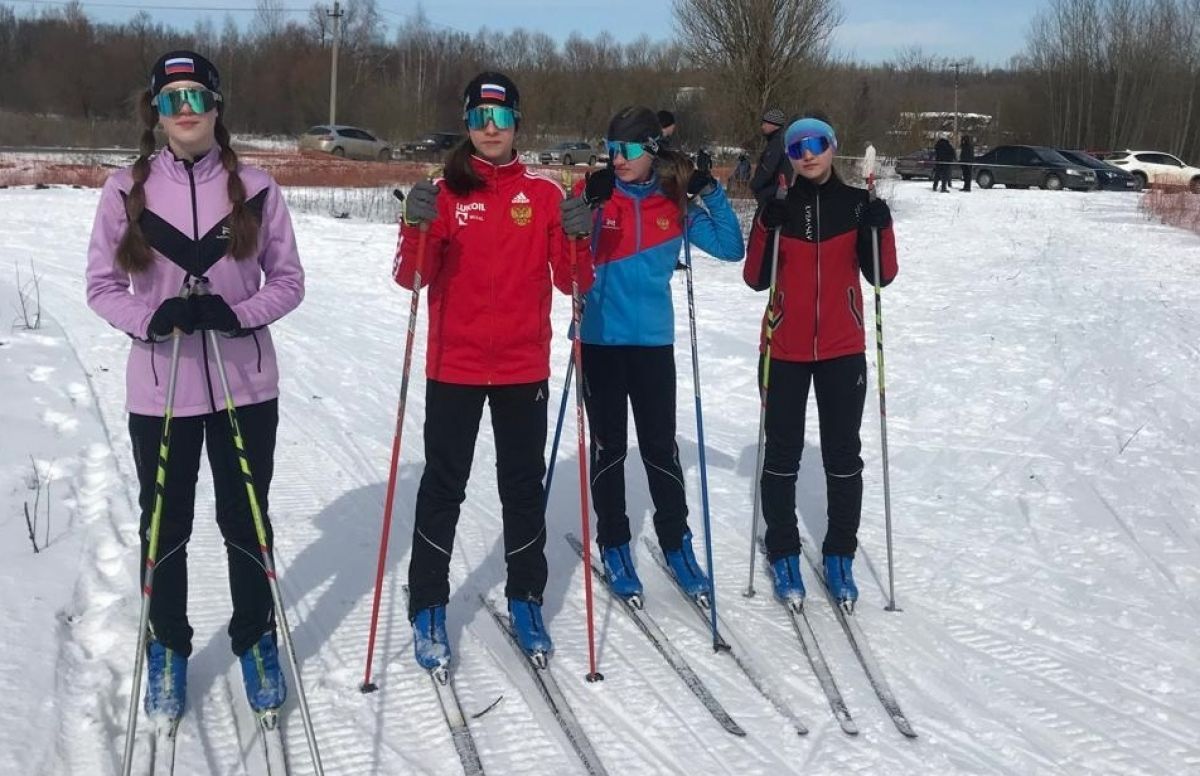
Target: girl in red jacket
[(816, 319), (496, 248)]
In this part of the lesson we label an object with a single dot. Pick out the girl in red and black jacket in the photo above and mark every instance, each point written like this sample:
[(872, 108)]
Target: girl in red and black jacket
[(495, 249), (816, 323)]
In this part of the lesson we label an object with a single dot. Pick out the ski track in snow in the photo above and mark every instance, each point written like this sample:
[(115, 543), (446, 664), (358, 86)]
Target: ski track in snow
[(1043, 426)]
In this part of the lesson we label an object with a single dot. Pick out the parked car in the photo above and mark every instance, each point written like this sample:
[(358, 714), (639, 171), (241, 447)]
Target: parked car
[(431, 145), (341, 140), (1107, 176), (919, 164), (1022, 166), (1155, 167), (569, 152)]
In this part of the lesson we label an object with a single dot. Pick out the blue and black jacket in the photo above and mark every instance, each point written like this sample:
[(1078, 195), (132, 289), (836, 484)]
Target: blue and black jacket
[(636, 242)]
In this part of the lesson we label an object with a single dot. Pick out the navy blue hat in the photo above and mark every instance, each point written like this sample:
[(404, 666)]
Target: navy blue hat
[(184, 66), (494, 88)]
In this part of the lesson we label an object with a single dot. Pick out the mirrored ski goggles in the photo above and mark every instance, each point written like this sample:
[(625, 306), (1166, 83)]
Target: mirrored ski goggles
[(170, 103), (814, 144), (629, 150), (478, 117)]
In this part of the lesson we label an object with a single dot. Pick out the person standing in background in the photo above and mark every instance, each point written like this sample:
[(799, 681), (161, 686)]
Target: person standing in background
[(943, 155), (966, 155), (774, 161), (666, 120)]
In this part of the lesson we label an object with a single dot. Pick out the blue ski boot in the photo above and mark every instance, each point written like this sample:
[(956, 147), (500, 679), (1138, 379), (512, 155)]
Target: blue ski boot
[(839, 577), (687, 572), (622, 576), (789, 587), (166, 681), (265, 685), (525, 616), (430, 642)]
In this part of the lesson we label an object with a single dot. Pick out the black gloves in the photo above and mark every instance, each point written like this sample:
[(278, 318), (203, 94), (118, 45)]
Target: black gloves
[(576, 216), (173, 313), (599, 188), (877, 214), (775, 213), (702, 182), (421, 205), (210, 311)]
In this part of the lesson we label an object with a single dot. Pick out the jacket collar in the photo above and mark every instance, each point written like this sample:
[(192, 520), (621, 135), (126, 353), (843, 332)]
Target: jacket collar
[(803, 185), (494, 175), (204, 168), (640, 190)]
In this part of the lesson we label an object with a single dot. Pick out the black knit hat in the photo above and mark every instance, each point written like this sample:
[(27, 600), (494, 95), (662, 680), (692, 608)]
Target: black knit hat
[(666, 118), (635, 124), (492, 88), (184, 66)]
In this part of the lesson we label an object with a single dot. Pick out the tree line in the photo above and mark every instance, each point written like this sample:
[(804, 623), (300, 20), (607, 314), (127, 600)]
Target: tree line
[(1099, 74)]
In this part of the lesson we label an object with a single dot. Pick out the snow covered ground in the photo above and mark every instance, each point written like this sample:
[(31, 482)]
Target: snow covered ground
[(1043, 423)]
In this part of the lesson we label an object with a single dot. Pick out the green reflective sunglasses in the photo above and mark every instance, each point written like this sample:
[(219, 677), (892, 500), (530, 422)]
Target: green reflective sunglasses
[(629, 150), (170, 103), (478, 117)]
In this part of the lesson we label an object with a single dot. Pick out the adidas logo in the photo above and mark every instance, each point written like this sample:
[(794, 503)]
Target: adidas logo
[(520, 199)]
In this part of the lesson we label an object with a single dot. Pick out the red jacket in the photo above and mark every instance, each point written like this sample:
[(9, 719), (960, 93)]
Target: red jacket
[(490, 258), (818, 311)]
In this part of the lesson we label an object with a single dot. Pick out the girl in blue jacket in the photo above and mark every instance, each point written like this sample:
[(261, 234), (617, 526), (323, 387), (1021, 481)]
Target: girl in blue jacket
[(658, 200)]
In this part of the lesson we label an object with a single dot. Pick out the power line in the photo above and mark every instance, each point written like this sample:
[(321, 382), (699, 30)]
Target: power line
[(146, 7)]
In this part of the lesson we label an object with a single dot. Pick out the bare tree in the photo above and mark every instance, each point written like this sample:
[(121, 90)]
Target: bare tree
[(758, 48)]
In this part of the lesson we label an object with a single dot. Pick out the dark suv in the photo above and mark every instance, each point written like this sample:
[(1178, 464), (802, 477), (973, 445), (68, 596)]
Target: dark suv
[(1022, 166), (1108, 177), (431, 145)]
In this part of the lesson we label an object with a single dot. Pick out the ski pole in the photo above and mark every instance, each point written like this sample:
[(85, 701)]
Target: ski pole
[(869, 167), (770, 322), (413, 309), (160, 486), (593, 675), (719, 644), (562, 411), (201, 288)]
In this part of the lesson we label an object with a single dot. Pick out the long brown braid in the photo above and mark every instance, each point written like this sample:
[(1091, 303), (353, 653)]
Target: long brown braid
[(133, 252), (674, 171), (244, 222)]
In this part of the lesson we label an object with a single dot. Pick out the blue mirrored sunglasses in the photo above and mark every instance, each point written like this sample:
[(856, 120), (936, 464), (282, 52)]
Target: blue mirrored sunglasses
[(626, 149), (478, 117), (170, 103), (814, 144)]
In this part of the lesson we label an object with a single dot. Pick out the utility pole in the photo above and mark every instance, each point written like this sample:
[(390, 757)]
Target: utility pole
[(956, 66), (336, 14)]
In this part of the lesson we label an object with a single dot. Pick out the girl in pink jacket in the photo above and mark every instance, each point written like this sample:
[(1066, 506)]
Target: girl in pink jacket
[(182, 214)]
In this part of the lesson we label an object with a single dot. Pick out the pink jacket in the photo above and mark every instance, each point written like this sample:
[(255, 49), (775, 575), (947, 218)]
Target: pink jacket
[(186, 208)]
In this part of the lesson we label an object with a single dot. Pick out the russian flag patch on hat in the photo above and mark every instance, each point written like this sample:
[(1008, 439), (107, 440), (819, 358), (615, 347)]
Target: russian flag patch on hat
[(179, 65), (492, 93)]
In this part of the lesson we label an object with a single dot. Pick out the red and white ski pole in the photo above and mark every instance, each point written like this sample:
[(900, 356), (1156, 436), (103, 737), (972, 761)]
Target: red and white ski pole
[(389, 501)]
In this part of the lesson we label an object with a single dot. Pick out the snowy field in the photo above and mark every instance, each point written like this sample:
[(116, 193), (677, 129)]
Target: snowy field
[(1044, 424)]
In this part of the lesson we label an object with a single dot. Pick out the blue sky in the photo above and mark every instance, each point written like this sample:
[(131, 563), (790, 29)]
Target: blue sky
[(872, 30)]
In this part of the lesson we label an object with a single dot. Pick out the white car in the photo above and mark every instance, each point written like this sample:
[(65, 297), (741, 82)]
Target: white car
[(1155, 167)]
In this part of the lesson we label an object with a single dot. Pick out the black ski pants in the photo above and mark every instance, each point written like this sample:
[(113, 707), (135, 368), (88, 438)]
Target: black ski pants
[(452, 415), (253, 611), (966, 173), (616, 377), (841, 387), (941, 175)]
